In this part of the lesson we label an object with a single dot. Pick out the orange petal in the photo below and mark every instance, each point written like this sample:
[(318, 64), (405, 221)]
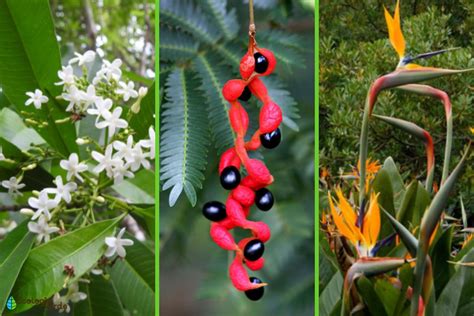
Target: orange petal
[(348, 231), (395, 31), (347, 211), (371, 227)]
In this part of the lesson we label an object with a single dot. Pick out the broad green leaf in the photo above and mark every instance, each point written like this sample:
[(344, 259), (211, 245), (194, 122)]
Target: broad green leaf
[(415, 201), (15, 131), (395, 179), (388, 294), (134, 279), (102, 299), (13, 252), (140, 189), (142, 121), (331, 295), (30, 60), (184, 137), (43, 275), (371, 299), (440, 254), (456, 297), (382, 185), (146, 218)]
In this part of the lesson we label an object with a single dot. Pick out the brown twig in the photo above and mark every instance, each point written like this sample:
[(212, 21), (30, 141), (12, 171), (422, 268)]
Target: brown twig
[(90, 24)]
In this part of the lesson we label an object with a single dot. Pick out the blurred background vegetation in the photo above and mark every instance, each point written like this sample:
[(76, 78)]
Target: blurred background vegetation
[(115, 28), (354, 51), (206, 40)]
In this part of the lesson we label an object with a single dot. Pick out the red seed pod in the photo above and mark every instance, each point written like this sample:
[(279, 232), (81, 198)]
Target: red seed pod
[(270, 117), (233, 89), (239, 276), (239, 119), (244, 242), (255, 265), (260, 230), (270, 58), (227, 223), (244, 195), (235, 212), (222, 237), (247, 66), (258, 89), (258, 171), (251, 183), (229, 158)]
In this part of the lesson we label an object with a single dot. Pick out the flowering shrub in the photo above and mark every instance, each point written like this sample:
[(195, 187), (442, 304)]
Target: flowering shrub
[(78, 166)]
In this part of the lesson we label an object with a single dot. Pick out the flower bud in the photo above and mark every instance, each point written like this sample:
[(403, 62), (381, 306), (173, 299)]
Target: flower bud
[(27, 211), (29, 167), (82, 141)]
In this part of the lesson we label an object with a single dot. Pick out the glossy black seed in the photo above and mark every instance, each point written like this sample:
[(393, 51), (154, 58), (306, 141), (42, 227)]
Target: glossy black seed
[(230, 178), (261, 63), (264, 199), (214, 211), (246, 94), (254, 250), (271, 140), (255, 294)]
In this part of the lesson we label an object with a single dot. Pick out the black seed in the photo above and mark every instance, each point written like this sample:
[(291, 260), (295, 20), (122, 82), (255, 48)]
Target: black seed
[(230, 178), (214, 211), (261, 63), (264, 199), (271, 140), (246, 94), (254, 250), (255, 294)]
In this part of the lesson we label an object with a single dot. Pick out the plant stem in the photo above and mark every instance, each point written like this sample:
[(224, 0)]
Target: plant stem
[(364, 144), (447, 149), (252, 29)]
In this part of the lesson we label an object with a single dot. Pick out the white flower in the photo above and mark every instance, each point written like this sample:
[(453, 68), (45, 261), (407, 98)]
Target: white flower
[(124, 150), (142, 92), (9, 228), (120, 170), (112, 69), (66, 75), (150, 143), (37, 98), (74, 97), (127, 90), (101, 106), (43, 204), (112, 120), (89, 97), (63, 191), (116, 244), (88, 57), (106, 161), (139, 158), (42, 229), (72, 295), (13, 185), (73, 167)]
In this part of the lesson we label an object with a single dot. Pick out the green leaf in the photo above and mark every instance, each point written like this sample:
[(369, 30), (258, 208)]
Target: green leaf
[(142, 121), (139, 189), (146, 218), (43, 275), (213, 77), (370, 297), (383, 186), (30, 60), (134, 279), (176, 45), (226, 20), (388, 294), (331, 295), (395, 179), (13, 252), (190, 19), (102, 299), (415, 201), (456, 297), (440, 254), (184, 137)]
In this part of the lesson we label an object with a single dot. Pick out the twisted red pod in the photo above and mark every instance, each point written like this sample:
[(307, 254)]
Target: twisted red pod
[(255, 63)]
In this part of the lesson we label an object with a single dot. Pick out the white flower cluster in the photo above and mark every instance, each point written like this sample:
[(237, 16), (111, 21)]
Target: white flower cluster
[(73, 295), (128, 157)]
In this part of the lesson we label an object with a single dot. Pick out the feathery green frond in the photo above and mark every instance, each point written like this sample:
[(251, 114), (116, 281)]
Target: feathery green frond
[(213, 77), (289, 40), (184, 137), (182, 15), (176, 45), (226, 20)]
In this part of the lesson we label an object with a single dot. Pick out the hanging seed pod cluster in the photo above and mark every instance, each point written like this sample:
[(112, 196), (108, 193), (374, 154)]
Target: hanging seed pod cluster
[(251, 189)]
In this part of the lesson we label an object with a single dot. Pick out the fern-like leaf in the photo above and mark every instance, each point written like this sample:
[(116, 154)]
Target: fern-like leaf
[(213, 76), (184, 137), (231, 53), (226, 20), (176, 45), (290, 40), (282, 97), (263, 4), (181, 14)]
